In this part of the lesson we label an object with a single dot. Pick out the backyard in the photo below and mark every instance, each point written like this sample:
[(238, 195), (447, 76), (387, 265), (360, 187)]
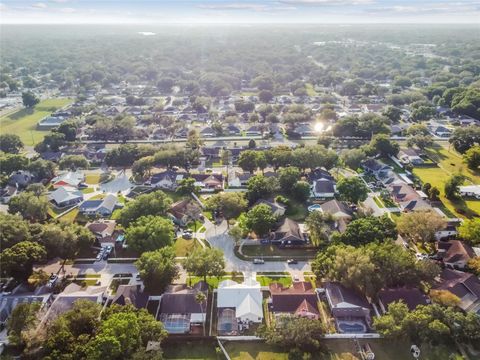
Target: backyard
[(449, 162), (24, 121)]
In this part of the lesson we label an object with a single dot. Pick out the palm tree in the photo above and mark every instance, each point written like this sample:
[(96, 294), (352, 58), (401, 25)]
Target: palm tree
[(200, 298)]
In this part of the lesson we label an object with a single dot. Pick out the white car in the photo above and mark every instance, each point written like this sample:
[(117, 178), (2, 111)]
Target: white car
[(420, 256)]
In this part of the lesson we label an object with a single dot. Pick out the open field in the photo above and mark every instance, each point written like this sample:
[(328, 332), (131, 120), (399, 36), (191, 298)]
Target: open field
[(449, 163), (24, 122), (184, 247)]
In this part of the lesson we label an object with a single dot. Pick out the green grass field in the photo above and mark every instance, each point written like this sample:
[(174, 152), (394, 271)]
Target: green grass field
[(267, 280), (184, 247), (449, 162), (24, 122)]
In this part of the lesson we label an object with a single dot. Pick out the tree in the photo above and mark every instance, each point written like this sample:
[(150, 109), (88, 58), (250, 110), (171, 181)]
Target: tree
[(474, 265), (157, 268), (451, 186), (69, 129), (187, 186), (259, 187), (301, 191), (294, 332), (353, 158), (17, 261), (352, 189), (13, 229), (10, 143), (260, 219), (149, 233), (30, 206), (42, 169), (73, 162), (200, 299), (65, 240), (248, 160), (469, 230), (472, 157), (29, 99), (463, 138), (205, 262), (156, 203), (12, 162), (417, 129), (287, 178), (368, 229), (420, 226), (393, 113), (420, 141), (51, 142), (444, 297), (230, 204), (390, 324), (382, 145), (22, 319), (236, 233), (265, 96), (319, 226)]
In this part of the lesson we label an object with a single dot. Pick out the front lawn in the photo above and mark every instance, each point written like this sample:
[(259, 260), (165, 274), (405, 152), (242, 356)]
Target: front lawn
[(24, 122), (92, 179), (213, 281), (273, 250), (184, 247), (267, 280)]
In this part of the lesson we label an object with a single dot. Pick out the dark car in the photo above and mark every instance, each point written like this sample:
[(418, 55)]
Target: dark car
[(292, 261)]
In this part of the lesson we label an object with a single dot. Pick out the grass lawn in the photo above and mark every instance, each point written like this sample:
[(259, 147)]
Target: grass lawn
[(296, 210), (449, 162), (272, 250), (198, 225), (340, 349), (213, 281), (92, 179), (88, 190), (184, 247), (310, 90), (189, 350), (378, 202), (70, 216), (267, 280), (24, 122)]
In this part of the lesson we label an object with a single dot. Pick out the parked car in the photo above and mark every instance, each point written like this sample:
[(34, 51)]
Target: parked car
[(187, 234), (258, 261), (292, 261), (100, 255), (420, 256), (108, 249)]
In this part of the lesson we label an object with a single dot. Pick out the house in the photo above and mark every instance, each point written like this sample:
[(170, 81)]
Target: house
[(350, 309), (407, 198), (299, 300), (410, 156), (184, 211), (207, 132), (130, 295), (376, 168), (455, 254), (180, 312), (440, 131), (253, 130), (20, 179), (7, 193), (232, 130), (412, 297), (167, 180), (208, 182), (65, 196), (238, 305), (21, 295), (51, 122), (470, 191), (338, 209), (103, 207), (323, 188), (464, 285), (237, 179), (288, 233), (54, 156), (304, 130), (104, 231), (278, 209), (71, 178), (72, 293)]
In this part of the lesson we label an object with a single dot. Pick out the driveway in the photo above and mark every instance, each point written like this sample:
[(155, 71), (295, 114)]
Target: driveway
[(217, 236)]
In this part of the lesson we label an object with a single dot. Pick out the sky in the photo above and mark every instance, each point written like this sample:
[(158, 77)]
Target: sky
[(238, 11)]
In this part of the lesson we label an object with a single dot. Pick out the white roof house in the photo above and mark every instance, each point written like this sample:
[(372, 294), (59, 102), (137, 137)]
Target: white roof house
[(65, 195), (470, 190), (70, 178), (245, 298)]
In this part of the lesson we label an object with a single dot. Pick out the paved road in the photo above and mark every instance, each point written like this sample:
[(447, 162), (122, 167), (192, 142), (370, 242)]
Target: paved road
[(217, 236)]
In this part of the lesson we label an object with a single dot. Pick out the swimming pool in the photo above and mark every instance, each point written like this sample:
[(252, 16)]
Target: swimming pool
[(314, 207)]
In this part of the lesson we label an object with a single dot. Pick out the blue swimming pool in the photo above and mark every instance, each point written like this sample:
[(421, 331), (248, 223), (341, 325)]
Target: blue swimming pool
[(351, 328), (314, 207)]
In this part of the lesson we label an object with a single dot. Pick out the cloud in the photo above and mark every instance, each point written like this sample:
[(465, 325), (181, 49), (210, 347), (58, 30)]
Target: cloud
[(67, 10), (60, 1), (39, 5), (327, 2), (235, 6)]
